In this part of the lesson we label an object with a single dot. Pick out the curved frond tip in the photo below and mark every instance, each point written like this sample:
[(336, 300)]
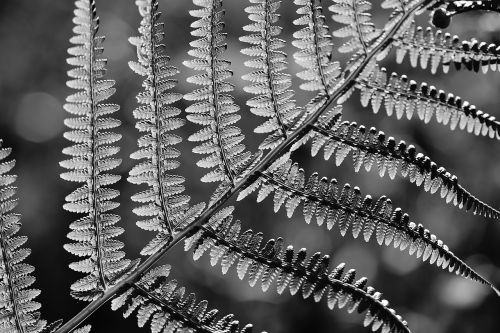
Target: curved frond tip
[(331, 204), (373, 149), (292, 270)]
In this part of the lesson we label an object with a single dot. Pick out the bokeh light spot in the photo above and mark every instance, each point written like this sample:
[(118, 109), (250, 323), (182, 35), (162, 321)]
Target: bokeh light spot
[(39, 117), (398, 262), (460, 293)]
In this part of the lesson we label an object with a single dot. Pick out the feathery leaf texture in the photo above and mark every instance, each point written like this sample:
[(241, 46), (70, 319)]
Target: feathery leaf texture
[(273, 261), (214, 108), (18, 310), (91, 159), (397, 5), (84, 329), (315, 48), (163, 203), (166, 207), (427, 48), (332, 204), (358, 26), (401, 96), (268, 82), (372, 148), (169, 308)]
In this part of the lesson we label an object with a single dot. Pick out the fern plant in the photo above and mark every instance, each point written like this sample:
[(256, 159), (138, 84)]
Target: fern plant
[(291, 131)]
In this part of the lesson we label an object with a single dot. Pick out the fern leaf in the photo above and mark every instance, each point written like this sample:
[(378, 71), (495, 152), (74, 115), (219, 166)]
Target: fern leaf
[(214, 107), (18, 308), (427, 48), (83, 329), (398, 5), (316, 47), (271, 262), (358, 26), (92, 156), (163, 202), (402, 96), (331, 204), (273, 98), (169, 308), (372, 149)]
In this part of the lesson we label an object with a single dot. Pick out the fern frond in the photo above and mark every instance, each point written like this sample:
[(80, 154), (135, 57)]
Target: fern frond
[(273, 261), (214, 107), (18, 308), (316, 47), (169, 308), (331, 204), (163, 203), (372, 148), (92, 156), (402, 96), (268, 81), (84, 329), (358, 25), (429, 47), (398, 5)]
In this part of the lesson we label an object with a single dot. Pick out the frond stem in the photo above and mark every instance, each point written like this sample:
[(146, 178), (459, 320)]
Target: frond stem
[(270, 73), (215, 94), (358, 27), (159, 160), (314, 5), (8, 273), (245, 181), (94, 148)]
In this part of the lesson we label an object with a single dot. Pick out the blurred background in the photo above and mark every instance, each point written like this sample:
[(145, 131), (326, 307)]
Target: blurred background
[(33, 41)]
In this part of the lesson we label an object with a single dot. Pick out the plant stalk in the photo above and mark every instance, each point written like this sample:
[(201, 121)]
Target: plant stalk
[(273, 155)]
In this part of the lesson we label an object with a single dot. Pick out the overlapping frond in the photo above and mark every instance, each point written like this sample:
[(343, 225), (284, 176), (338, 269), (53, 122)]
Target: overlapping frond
[(268, 81), (358, 25), (315, 43), (401, 96), (92, 157), (214, 107), (164, 203), (169, 308), (272, 262), (330, 204), (83, 329), (371, 148), (18, 308), (429, 48)]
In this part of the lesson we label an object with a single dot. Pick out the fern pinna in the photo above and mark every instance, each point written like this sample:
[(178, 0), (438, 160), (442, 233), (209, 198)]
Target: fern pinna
[(161, 202), (91, 157)]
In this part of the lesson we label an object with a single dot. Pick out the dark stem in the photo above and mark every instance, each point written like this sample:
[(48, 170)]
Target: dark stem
[(94, 147), (159, 160)]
